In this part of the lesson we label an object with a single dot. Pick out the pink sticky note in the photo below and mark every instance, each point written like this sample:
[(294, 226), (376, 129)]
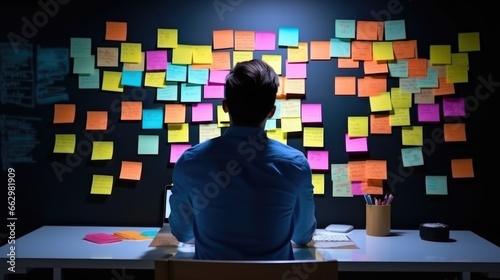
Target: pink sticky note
[(156, 60), (318, 160), (218, 76), (296, 70), (202, 112), (356, 144), (265, 41), (101, 238), (311, 113), (176, 151), (454, 107), (357, 188), (428, 112), (213, 91)]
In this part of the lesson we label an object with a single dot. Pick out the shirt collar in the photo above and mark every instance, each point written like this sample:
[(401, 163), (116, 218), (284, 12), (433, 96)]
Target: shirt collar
[(244, 131)]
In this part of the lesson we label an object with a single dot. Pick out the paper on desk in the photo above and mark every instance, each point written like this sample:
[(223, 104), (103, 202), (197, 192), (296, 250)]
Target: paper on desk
[(164, 239), (101, 238), (130, 235), (329, 244)]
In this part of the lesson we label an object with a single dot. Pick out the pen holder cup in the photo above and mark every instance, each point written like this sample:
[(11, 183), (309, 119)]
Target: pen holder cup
[(378, 220)]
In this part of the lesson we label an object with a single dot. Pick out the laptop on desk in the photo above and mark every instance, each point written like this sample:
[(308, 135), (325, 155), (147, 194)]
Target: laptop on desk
[(167, 192)]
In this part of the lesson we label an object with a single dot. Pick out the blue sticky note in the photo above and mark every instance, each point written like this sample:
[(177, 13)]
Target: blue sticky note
[(340, 47), (152, 118), (288, 36), (394, 30), (132, 78), (190, 92), (345, 28), (412, 156), (277, 112), (176, 72), (84, 64), (197, 76), (149, 233), (80, 47), (436, 185), (167, 93), (148, 144), (430, 81), (89, 80), (270, 124), (399, 68)]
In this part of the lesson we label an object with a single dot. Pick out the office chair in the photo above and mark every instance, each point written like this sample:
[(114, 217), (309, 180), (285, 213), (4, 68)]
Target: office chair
[(189, 269)]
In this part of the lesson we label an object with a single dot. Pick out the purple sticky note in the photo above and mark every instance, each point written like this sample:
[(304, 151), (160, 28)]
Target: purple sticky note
[(356, 144), (213, 91), (202, 112), (454, 107), (428, 112), (311, 113), (176, 150), (318, 160), (156, 60), (218, 76), (357, 188), (295, 70), (265, 41)]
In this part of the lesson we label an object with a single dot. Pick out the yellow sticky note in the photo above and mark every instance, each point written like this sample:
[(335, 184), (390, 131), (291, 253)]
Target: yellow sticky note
[(299, 53), (313, 137), (136, 66), (65, 143), (277, 135), (167, 38), (102, 150), (457, 74), (178, 132), (274, 60), (290, 108), (381, 102), (357, 126), (440, 54), (291, 124), (202, 55), (468, 42), (318, 181), (222, 117), (131, 52), (155, 79), (295, 86), (208, 131), (239, 56), (400, 117), (400, 99), (101, 184), (412, 136), (111, 81), (382, 51), (182, 55)]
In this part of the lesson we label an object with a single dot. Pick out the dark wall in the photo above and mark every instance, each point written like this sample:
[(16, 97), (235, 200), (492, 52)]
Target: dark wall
[(55, 189)]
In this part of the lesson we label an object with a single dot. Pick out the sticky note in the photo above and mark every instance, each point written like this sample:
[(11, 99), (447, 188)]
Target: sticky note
[(102, 150), (64, 143), (101, 184), (148, 144), (131, 170)]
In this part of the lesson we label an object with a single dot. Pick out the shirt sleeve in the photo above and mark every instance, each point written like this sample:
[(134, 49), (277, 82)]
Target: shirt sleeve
[(181, 210), (304, 215)]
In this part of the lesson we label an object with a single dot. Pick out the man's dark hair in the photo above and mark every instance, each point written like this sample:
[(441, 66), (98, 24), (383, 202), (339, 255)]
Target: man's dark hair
[(250, 92)]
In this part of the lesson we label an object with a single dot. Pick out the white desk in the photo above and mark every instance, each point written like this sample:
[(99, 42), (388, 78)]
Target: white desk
[(61, 247)]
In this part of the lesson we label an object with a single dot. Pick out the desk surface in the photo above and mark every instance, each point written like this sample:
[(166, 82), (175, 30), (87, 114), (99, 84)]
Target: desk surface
[(403, 250)]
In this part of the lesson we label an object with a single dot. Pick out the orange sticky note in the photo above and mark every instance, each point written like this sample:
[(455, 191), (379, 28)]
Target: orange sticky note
[(462, 168), (131, 111), (347, 63), (244, 40), (367, 30), (375, 67), (223, 39), (372, 85), (64, 113), (131, 170), (356, 170), (361, 50), (221, 60), (404, 49), (417, 68), (175, 113), (444, 88), (345, 85), (372, 186), (97, 120), (376, 169), (454, 132), (320, 50), (281, 94), (380, 124), (116, 31)]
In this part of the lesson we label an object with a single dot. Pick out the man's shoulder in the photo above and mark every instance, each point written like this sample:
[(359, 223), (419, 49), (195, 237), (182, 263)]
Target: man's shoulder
[(286, 151)]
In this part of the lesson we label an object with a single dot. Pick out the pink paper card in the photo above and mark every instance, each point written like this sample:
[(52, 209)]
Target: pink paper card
[(213, 91), (176, 151), (454, 107), (218, 76), (428, 112), (202, 112), (296, 70), (318, 160), (265, 41), (156, 60), (356, 144), (311, 113), (101, 238)]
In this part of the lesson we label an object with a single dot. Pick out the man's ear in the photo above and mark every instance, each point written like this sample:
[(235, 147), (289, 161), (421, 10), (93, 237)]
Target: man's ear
[(224, 105), (271, 113)]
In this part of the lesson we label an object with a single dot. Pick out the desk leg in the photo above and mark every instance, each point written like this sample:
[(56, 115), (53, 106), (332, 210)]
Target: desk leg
[(465, 275), (56, 273)]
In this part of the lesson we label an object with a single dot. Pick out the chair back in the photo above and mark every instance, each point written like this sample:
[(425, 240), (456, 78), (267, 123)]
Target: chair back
[(188, 269)]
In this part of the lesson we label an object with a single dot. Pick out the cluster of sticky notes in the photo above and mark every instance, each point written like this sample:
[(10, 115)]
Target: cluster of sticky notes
[(105, 238), (194, 75)]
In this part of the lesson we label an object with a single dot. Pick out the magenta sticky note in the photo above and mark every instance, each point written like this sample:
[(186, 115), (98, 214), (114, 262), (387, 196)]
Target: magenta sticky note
[(213, 91), (202, 112), (296, 70), (454, 107), (357, 188), (356, 144), (265, 41), (428, 113), (176, 150), (311, 113), (218, 76), (318, 160), (156, 60)]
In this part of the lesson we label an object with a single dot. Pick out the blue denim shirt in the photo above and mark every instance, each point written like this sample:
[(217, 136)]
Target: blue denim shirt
[(242, 196)]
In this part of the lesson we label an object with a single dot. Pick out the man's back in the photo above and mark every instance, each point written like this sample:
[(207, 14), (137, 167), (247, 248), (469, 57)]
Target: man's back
[(243, 196)]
